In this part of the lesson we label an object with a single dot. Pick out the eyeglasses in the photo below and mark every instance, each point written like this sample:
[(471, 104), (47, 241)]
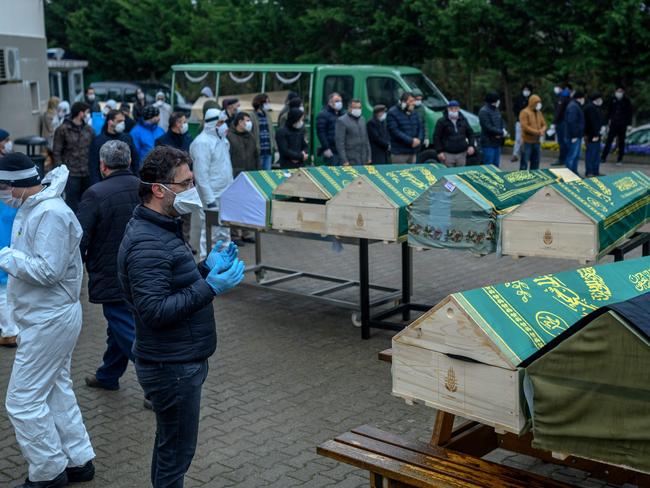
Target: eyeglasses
[(187, 184)]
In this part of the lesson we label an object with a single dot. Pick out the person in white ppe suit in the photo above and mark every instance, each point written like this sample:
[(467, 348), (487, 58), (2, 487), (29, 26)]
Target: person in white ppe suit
[(8, 330), (45, 273), (210, 153)]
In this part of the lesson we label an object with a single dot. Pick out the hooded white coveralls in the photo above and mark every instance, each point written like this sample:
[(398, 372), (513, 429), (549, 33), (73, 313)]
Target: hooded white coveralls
[(45, 273), (212, 175)]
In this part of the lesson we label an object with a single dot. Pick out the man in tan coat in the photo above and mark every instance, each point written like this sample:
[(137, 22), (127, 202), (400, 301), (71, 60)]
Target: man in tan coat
[(533, 127)]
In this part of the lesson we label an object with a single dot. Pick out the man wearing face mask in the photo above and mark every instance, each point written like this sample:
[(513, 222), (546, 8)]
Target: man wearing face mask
[(378, 136), (263, 132), (575, 129), (146, 131), (6, 145), (593, 126), (104, 211), (231, 108), (419, 109), (559, 123), (291, 142), (519, 103), (453, 138), (212, 168), (113, 130), (405, 129), (177, 135), (165, 110), (139, 104), (72, 140), (175, 330), (351, 137), (533, 127), (326, 129), (619, 116), (91, 100), (493, 130), (45, 269)]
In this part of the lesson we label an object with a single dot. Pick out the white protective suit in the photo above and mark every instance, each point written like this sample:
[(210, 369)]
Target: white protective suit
[(45, 273), (212, 175), (7, 327)]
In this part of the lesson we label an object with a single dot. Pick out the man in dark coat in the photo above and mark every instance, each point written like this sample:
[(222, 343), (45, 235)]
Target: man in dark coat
[(326, 129), (176, 135), (593, 127), (91, 100), (290, 139), (114, 130), (171, 297), (562, 99), (405, 129), (619, 116), (378, 135), (104, 211), (244, 155), (574, 119), (493, 130), (453, 137), (352, 136)]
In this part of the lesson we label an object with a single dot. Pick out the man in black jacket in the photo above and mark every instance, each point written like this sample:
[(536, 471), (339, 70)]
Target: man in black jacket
[(493, 131), (171, 297), (378, 135), (290, 139), (453, 137), (103, 213), (593, 126), (176, 135), (619, 116), (326, 129), (114, 130)]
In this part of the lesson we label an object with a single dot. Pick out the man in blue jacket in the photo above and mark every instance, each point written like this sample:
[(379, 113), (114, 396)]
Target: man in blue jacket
[(103, 213), (326, 129), (574, 120), (406, 130), (146, 131), (175, 331), (114, 130)]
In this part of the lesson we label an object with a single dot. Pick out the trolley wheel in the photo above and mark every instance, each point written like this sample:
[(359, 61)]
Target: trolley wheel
[(260, 275), (356, 319)]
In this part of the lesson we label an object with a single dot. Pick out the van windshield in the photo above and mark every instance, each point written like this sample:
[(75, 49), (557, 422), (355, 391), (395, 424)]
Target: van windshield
[(431, 96)]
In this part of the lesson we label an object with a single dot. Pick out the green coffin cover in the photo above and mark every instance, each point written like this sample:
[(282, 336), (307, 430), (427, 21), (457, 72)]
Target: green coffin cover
[(617, 203), (460, 211), (522, 316), (269, 180), (590, 394)]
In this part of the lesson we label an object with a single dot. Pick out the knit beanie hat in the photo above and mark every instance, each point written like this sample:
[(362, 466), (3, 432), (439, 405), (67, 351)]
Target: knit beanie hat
[(3, 134), (149, 112), (294, 116), (17, 170), (491, 97)]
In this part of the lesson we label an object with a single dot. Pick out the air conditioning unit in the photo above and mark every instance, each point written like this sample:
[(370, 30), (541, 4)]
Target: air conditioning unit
[(9, 64)]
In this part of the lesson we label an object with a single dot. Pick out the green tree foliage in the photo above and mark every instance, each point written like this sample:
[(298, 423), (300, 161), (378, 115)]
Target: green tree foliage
[(467, 46)]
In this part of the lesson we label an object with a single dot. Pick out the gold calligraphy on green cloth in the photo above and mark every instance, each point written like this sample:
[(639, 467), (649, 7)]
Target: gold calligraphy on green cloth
[(522, 316)]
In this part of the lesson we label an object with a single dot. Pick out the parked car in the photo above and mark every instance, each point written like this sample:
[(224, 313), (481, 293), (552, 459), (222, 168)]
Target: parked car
[(638, 140), (124, 92)]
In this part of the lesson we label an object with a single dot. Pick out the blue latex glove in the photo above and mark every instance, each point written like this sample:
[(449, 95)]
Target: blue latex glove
[(221, 282), (220, 258)]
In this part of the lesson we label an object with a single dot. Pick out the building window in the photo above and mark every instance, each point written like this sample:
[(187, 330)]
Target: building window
[(35, 96)]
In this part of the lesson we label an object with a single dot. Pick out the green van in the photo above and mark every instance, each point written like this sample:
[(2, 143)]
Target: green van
[(313, 82)]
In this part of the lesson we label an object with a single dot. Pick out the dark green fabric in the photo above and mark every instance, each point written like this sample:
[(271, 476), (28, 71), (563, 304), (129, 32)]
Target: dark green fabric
[(522, 316), (591, 395), (619, 204), (460, 211), (268, 180)]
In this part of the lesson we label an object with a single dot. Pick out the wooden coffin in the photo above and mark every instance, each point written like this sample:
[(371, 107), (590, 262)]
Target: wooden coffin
[(464, 211), (247, 201), (580, 220), (464, 356), (302, 198)]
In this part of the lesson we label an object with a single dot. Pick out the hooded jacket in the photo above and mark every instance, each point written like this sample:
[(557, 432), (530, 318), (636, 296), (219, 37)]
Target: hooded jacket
[(532, 121), (244, 153), (452, 138), (44, 261), (144, 136), (171, 302), (72, 147), (291, 141), (211, 165)]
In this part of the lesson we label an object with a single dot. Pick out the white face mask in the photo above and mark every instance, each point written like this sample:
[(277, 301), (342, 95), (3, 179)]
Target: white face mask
[(185, 127), (618, 95), (222, 130), (598, 102), (9, 147), (526, 93), (497, 103), (120, 126), (403, 105), (418, 103), (338, 105), (266, 107), (453, 115), (88, 119), (140, 96), (355, 112), (106, 109), (383, 117), (158, 103), (91, 98), (299, 125), (6, 197), (186, 201), (557, 90), (248, 126), (538, 107)]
